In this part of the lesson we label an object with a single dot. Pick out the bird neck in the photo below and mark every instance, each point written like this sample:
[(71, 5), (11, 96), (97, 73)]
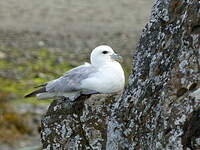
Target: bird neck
[(106, 64)]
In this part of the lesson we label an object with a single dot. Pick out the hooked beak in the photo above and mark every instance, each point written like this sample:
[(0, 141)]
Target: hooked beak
[(116, 57)]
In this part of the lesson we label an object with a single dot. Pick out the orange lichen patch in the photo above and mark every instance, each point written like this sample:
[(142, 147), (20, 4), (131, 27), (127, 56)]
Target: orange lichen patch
[(175, 4), (12, 126), (3, 96)]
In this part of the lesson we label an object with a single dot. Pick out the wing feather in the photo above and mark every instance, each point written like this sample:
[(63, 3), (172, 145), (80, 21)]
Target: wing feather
[(71, 80)]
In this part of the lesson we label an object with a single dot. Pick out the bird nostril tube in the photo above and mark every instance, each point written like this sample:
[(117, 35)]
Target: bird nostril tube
[(116, 57)]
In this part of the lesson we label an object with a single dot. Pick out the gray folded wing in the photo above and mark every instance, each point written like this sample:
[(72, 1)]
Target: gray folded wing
[(71, 80)]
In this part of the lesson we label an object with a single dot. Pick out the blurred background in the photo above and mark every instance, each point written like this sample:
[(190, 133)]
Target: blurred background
[(40, 40)]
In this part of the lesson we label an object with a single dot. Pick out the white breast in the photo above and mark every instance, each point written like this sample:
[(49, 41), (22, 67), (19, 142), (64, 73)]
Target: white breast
[(109, 79)]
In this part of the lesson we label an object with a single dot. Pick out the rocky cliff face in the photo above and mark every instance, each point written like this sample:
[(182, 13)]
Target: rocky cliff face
[(158, 109)]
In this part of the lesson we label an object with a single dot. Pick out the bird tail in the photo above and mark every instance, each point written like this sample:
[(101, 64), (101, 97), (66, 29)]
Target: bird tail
[(41, 85), (34, 93)]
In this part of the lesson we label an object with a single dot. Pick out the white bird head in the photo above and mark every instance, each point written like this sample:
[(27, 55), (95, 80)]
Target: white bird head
[(103, 54)]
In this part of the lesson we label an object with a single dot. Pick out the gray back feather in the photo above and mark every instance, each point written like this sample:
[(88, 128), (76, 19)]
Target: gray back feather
[(71, 80)]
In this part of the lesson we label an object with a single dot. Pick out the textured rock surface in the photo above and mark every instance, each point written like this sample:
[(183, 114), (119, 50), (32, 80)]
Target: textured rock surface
[(156, 110), (79, 125)]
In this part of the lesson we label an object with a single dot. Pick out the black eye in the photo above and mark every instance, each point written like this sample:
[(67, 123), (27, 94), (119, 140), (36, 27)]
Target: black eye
[(105, 52)]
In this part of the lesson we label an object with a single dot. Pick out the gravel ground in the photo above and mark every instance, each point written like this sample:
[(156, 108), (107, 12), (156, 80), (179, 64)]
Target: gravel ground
[(63, 16), (73, 25)]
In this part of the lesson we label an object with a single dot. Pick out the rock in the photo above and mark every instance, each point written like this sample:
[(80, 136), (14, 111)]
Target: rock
[(41, 43), (152, 114), (77, 125), (2, 55), (156, 110)]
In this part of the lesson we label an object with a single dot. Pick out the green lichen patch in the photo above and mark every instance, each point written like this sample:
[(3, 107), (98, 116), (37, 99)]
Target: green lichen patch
[(20, 70)]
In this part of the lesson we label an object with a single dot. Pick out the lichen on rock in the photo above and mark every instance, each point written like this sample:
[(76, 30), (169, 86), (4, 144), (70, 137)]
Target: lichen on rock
[(157, 109), (81, 124), (165, 65)]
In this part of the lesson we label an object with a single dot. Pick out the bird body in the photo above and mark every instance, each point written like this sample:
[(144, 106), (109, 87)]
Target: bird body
[(103, 75), (111, 79)]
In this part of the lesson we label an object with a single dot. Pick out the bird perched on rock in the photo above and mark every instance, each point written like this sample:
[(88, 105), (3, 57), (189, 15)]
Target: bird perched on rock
[(103, 75)]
